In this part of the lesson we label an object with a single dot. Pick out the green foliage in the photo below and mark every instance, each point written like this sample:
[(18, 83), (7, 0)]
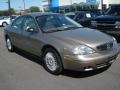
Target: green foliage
[(12, 11), (7, 12), (4, 13), (34, 9)]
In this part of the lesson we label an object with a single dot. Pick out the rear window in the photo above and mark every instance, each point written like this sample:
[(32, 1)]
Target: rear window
[(80, 15)]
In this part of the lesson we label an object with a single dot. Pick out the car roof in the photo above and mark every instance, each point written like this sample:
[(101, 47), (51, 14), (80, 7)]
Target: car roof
[(77, 12), (40, 14), (70, 13)]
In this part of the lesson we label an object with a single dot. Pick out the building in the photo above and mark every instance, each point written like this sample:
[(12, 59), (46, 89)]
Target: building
[(110, 2), (45, 5), (107, 3), (21, 12), (67, 5)]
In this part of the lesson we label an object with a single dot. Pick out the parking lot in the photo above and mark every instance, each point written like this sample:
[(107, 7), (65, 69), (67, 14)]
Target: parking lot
[(20, 71)]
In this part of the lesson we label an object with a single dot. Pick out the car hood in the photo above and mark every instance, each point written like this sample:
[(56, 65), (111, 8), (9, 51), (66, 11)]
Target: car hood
[(108, 18), (85, 36)]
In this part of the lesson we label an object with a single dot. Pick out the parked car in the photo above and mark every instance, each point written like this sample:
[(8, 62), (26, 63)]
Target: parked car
[(84, 17), (7, 20), (61, 42), (109, 22), (4, 22), (2, 17)]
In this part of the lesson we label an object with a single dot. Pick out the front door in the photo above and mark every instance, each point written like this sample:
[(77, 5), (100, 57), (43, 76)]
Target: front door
[(31, 39)]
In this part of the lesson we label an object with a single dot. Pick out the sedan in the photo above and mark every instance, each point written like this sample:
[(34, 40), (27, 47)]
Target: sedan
[(61, 42)]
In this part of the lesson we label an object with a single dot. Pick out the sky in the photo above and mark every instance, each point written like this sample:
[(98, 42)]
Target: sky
[(18, 4)]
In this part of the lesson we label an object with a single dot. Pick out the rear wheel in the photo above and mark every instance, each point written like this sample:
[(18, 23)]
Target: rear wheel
[(4, 24), (9, 45), (52, 61)]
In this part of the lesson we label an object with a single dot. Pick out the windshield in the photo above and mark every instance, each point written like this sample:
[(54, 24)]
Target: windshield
[(95, 14), (56, 22), (113, 10)]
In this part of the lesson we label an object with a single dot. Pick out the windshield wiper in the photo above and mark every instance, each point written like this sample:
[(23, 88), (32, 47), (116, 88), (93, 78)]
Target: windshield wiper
[(55, 30), (63, 28), (70, 27)]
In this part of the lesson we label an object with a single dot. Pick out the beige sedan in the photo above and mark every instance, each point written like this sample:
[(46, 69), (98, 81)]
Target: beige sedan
[(61, 42)]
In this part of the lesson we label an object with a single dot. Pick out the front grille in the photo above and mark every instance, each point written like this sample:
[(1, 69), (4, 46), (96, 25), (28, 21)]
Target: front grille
[(106, 24), (106, 46)]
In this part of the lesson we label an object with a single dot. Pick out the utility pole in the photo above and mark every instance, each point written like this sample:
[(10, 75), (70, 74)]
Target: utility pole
[(71, 2), (71, 5), (9, 7), (102, 5), (24, 4)]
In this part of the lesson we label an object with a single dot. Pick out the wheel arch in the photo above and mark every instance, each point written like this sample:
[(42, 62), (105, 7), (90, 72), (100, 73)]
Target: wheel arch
[(4, 22), (6, 36), (50, 46)]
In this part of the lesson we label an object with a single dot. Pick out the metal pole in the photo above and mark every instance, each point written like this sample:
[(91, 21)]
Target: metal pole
[(9, 7), (71, 6), (71, 2), (102, 5), (24, 4)]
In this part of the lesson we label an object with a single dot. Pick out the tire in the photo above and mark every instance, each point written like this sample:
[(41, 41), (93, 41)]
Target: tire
[(52, 61), (4, 24), (9, 45)]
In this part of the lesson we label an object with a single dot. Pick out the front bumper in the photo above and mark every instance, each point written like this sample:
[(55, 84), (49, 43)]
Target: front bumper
[(90, 62)]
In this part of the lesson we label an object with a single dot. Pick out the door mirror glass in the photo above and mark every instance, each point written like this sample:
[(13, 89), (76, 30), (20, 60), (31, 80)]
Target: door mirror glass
[(31, 29), (29, 25)]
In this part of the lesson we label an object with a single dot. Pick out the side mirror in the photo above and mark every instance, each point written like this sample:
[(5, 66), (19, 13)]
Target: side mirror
[(31, 29)]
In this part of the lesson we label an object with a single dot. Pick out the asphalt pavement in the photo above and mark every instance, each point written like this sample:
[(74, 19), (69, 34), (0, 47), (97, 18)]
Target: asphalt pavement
[(21, 71)]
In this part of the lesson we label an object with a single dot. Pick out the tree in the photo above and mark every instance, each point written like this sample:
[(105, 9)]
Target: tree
[(4, 13), (7, 12), (34, 9), (12, 11)]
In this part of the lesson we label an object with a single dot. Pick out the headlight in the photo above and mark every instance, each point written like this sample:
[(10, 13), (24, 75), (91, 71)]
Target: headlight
[(93, 23), (115, 42), (117, 24), (115, 45), (82, 50)]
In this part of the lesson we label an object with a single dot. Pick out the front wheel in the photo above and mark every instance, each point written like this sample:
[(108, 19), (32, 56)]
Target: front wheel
[(52, 61)]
